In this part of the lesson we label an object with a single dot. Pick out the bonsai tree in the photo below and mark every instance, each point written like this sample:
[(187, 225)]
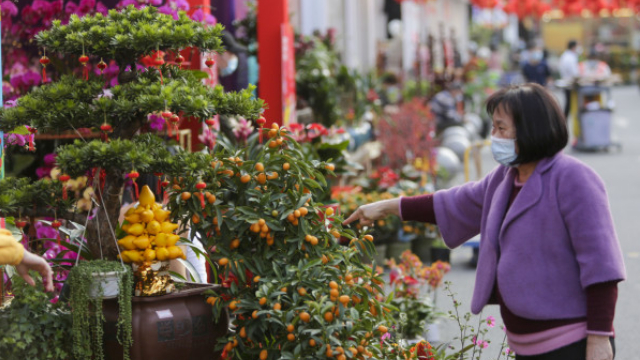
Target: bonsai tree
[(294, 291), (119, 112)]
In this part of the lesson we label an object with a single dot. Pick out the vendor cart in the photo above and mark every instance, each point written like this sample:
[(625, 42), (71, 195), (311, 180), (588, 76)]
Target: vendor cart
[(593, 115)]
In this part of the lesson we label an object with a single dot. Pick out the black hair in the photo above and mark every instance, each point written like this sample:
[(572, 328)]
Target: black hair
[(572, 44), (541, 128)]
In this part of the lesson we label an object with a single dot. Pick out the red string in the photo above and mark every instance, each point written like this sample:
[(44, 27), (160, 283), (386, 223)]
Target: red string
[(58, 238), (85, 72), (169, 127), (64, 192), (31, 141), (44, 74), (158, 185), (161, 80), (260, 134), (177, 134)]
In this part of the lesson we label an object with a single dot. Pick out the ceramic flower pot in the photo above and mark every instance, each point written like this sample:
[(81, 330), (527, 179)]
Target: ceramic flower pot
[(105, 284), (177, 326)]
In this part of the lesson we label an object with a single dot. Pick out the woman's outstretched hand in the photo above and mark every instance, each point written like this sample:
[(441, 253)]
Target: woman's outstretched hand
[(369, 213)]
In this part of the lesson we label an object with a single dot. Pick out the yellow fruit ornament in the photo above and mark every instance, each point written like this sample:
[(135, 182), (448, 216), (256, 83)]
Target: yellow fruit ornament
[(149, 235)]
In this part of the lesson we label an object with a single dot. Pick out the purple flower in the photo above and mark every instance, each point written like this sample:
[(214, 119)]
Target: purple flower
[(43, 8), (125, 3), (15, 139), (156, 122), (56, 6), (386, 336), (182, 5), (166, 9), (10, 103), (55, 299), (208, 136), (8, 9), (46, 232), (242, 129), (86, 6), (200, 16), (102, 8), (71, 8), (50, 159)]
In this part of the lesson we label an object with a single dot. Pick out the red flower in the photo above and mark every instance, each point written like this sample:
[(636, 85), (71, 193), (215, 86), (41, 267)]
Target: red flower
[(315, 130)]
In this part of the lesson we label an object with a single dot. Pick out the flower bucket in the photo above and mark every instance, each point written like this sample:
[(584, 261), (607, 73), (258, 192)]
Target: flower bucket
[(105, 285), (433, 333)]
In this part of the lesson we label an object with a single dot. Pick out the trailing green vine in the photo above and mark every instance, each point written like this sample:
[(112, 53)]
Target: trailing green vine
[(88, 318)]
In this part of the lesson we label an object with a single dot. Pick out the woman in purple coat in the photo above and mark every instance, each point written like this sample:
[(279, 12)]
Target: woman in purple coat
[(549, 255)]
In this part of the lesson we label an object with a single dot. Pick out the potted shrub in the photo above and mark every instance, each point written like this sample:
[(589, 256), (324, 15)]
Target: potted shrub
[(90, 283), (293, 291), (145, 46)]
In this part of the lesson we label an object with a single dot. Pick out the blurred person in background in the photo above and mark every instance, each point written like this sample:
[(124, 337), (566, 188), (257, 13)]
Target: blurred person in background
[(536, 69), (446, 106), (568, 68)]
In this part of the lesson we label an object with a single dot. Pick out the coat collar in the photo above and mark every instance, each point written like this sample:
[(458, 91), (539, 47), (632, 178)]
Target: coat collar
[(529, 195)]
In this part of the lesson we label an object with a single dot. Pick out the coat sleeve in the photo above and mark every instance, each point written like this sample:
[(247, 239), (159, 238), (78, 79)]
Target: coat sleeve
[(585, 210), (459, 210), (11, 251)]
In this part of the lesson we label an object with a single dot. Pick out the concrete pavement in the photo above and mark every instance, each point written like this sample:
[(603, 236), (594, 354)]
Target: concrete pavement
[(621, 174)]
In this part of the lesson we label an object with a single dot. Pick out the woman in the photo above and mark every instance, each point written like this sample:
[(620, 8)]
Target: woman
[(13, 253), (549, 254)]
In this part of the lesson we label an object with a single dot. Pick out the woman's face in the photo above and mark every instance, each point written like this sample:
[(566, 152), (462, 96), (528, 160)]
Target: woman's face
[(503, 126)]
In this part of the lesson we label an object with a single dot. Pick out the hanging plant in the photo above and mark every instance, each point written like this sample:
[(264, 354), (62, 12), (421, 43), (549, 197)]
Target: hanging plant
[(88, 320)]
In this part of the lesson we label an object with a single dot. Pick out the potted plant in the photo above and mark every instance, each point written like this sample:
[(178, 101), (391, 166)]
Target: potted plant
[(33, 326), (152, 84), (416, 310), (90, 283), (292, 289)]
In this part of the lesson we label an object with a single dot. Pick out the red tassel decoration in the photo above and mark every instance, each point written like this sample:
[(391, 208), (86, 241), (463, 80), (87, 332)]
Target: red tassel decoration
[(209, 63), (157, 62), (64, 178), (84, 59), (44, 60), (56, 224), (133, 175), (175, 119), (159, 175), (261, 122), (32, 138)]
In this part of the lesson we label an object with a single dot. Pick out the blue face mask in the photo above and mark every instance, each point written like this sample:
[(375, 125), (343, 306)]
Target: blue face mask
[(232, 65), (503, 150)]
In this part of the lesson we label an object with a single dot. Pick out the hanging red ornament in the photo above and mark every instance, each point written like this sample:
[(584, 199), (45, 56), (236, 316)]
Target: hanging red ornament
[(165, 183), (44, 60), (261, 121), (102, 65), (179, 59), (106, 129), (158, 61), (209, 63), (133, 175), (175, 119), (84, 59), (210, 122), (56, 225), (32, 138), (167, 114), (20, 224), (64, 178), (201, 185)]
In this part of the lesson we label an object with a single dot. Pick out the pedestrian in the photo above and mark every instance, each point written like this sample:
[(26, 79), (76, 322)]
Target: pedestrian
[(446, 106), (593, 69), (13, 253), (549, 255), (568, 68), (536, 69)]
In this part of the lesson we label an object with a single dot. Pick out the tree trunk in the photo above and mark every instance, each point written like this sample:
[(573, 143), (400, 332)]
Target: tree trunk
[(100, 231)]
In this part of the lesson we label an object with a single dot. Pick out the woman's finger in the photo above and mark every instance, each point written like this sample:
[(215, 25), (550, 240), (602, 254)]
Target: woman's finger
[(353, 217)]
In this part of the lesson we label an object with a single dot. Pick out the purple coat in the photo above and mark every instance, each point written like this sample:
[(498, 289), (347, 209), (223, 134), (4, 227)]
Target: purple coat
[(556, 239)]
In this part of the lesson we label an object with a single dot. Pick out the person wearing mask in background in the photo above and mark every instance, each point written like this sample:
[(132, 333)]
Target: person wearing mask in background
[(233, 67), (549, 255), (536, 70), (568, 68), (446, 106), (13, 253)]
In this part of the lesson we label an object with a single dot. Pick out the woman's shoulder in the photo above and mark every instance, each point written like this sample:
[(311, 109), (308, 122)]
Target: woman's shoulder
[(572, 171)]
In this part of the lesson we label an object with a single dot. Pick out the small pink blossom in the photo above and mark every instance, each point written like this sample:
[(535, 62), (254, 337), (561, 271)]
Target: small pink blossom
[(242, 129), (386, 336), (491, 321), (508, 351), (208, 136)]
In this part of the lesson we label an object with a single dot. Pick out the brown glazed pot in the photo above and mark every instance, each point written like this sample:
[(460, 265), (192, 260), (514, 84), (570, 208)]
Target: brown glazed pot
[(177, 326)]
